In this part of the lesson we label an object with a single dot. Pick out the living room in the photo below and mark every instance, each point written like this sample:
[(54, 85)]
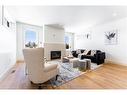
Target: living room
[(84, 47)]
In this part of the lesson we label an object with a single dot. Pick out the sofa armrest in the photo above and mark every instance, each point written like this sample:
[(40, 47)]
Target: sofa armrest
[(74, 54), (80, 56), (103, 55), (48, 67), (100, 55)]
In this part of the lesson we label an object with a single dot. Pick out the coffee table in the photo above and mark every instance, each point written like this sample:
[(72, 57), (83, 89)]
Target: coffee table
[(84, 64)]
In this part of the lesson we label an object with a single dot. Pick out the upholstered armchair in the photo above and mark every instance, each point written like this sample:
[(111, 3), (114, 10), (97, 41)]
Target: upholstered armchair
[(38, 70)]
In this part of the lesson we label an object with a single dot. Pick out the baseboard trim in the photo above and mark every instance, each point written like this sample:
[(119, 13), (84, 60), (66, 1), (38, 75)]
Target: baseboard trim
[(10, 69), (7, 72), (20, 61), (114, 62)]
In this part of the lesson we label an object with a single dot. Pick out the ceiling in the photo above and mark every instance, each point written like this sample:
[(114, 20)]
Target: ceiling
[(70, 17)]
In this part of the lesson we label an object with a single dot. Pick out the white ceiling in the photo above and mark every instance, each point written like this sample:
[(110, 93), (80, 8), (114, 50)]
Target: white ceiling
[(70, 17)]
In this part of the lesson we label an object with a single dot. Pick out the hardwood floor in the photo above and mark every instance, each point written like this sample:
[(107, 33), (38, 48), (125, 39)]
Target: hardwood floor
[(109, 76)]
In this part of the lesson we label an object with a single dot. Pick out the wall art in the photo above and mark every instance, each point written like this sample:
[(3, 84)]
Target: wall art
[(111, 37)]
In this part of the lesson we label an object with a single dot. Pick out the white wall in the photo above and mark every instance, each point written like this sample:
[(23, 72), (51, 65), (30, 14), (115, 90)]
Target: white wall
[(7, 49), (46, 35), (0, 15), (53, 40), (53, 35), (21, 27), (114, 53), (7, 44)]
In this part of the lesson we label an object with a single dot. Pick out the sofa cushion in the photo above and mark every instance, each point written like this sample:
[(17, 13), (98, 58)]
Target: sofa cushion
[(85, 52), (74, 53), (89, 52), (87, 56), (82, 50), (93, 52)]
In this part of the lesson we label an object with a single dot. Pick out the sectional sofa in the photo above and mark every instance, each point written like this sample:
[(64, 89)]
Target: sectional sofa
[(98, 57)]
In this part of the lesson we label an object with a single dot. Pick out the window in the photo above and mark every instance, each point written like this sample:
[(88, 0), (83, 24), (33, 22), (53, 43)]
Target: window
[(30, 39), (69, 40)]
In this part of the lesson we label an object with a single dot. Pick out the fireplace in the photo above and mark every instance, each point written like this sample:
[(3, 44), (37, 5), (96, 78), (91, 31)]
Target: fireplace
[(55, 54)]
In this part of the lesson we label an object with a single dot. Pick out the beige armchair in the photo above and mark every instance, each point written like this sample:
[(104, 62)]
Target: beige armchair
[(37, 70)]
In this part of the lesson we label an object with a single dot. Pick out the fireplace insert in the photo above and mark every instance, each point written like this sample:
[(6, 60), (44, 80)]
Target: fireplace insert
[(55, 54)]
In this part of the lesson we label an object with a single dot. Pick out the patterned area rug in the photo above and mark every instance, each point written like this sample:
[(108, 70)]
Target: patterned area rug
[(68, 73)]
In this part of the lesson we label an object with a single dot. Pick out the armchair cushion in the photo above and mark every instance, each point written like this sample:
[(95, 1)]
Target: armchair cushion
[(48, 67)]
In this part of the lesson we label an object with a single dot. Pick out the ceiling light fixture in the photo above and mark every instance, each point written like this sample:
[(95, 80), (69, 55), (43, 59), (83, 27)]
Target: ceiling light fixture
[(114, 14)]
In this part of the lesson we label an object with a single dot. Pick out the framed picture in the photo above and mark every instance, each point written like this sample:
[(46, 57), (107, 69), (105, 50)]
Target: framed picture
[(7, 20), (87, 35), (111, 37), (84, 35), (1, 13)]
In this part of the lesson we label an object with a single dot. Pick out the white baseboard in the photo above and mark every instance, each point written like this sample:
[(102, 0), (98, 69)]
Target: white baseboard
[(7, 72), (114, 62), (19, 61)]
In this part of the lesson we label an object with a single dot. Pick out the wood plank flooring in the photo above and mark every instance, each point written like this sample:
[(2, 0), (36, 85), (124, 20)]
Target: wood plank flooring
[(109, 76)]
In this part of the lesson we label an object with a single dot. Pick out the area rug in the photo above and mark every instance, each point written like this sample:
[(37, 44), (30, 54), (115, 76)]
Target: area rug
[(67, 72)]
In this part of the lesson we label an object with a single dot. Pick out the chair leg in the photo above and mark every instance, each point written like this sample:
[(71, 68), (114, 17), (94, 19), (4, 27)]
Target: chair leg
[(57, 77), (31, 82), (39, 86)]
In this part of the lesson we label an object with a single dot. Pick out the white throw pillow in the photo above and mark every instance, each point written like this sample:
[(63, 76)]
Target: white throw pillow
[(85, 52), (80, 55), (78, 51), (93, 52)]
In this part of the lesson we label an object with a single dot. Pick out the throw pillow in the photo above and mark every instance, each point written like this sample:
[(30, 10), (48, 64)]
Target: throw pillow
[(78, 51), (93, 52), (85, 52), (79, 56)]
